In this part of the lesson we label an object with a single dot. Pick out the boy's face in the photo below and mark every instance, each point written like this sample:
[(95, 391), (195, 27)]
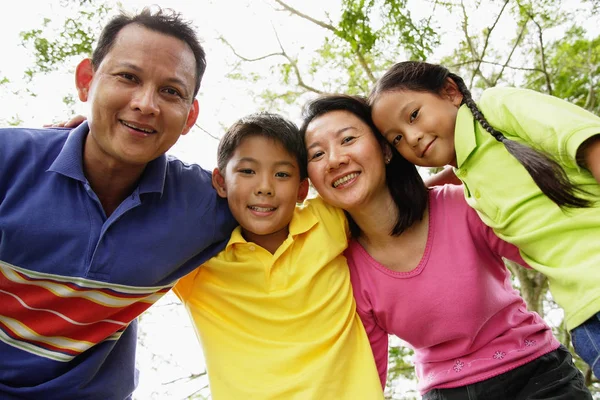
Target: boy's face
[(262, 185)]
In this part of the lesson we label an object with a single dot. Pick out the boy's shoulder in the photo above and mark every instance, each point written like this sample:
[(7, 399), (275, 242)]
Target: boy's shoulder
[(318, 207), (315, 211)]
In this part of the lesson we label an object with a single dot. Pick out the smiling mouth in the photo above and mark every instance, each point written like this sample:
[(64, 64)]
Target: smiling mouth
[(344, 179), (138, 128), (262, 209), (427, 148)]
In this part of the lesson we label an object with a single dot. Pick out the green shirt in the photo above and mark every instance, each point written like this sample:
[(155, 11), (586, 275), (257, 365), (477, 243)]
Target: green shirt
[(562, 244)]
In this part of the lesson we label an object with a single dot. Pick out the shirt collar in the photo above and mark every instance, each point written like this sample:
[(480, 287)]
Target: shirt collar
[(302, 221), (69, 162), (464, 135)]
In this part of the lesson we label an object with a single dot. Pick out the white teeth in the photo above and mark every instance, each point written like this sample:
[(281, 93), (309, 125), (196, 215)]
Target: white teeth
[(345, 179), (138, 128), (262, 209)]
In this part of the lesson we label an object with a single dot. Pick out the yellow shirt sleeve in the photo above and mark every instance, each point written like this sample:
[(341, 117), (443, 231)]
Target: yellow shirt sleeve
[(184, 286)]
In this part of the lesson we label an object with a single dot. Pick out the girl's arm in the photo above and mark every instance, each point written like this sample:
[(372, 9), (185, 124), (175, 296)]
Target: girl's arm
[(446, 176), (588, 156)]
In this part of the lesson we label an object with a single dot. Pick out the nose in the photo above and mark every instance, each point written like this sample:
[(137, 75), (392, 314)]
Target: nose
[(336, 159), (265, 187), (145, 100), (413, 137)]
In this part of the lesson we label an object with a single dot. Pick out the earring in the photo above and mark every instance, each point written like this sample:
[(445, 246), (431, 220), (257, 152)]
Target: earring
[(388, 159)]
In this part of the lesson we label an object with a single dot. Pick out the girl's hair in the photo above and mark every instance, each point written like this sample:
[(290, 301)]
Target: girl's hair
[(548, 175), (403, 181)]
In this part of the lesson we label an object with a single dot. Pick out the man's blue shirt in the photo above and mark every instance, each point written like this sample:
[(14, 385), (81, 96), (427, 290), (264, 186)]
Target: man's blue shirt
[(71, 279)]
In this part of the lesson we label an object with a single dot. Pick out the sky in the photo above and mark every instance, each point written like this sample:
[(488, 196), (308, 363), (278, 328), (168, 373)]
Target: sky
[(170, 351)]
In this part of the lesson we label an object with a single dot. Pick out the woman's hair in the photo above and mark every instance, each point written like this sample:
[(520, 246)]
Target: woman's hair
[(403, 181), (548, 175)]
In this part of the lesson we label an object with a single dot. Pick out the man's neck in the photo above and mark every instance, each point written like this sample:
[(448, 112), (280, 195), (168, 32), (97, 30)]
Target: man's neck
[(111, 181), (112, 186)]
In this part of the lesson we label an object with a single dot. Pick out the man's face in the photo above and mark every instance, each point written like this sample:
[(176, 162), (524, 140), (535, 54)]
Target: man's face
[(141, 97)]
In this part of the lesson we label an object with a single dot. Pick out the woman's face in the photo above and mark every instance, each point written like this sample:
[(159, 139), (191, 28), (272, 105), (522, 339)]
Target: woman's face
[(345, 160)]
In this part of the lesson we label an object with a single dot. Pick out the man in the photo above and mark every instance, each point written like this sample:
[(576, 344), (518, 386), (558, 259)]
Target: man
[(97, 223)]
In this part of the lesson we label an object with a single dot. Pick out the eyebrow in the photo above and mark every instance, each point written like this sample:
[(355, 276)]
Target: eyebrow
[(277, 163), (337, 134), (171, 79)]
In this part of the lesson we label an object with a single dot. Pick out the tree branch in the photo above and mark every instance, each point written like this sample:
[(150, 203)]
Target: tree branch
[(477, 69), (246, 58), (542, 53), (295, 67), (207, 132), (190, 377), (465, 27), (517, 41), (497, 63), (306, 17)]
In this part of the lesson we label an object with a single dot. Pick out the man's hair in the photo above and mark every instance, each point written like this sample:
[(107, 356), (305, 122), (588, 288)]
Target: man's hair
[(269, 125), (165, 21)]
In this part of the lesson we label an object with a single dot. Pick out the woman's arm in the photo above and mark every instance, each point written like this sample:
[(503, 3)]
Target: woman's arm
[(588, 156), (379, 343)]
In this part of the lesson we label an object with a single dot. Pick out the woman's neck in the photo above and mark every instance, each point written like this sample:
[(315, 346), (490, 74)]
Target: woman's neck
[(400, 253), (376, 219)]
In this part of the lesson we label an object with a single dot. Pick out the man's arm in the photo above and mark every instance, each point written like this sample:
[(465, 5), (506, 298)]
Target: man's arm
[(446, 176), (588, 156)]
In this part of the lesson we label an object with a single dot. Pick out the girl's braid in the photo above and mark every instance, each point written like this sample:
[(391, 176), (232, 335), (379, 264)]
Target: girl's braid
[(548, 175)]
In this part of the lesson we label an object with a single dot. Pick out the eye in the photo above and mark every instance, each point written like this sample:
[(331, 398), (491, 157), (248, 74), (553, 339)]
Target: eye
[(128, 76), (396, 139), (172, 91), (414, 115), (282, 175), (348, 139), (246, 171), (315, 155)]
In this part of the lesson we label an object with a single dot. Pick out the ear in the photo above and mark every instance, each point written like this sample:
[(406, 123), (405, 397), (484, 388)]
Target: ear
[(218, 182), (387, 153), (302, 190), (84, 75), (192, 117), (452, 92)]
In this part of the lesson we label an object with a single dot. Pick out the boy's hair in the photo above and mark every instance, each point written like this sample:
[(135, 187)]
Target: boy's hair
[(424, 77), (165, 21), (402, 178), (272, 126)]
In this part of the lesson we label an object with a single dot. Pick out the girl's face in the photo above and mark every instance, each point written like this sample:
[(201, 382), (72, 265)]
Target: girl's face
[(420, 125), (345, 159)]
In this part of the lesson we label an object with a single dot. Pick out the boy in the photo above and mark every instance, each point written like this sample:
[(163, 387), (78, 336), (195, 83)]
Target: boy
[(274, 310)]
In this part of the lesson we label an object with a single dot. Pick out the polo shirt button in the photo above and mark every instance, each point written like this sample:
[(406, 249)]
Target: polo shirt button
[(477, 194), (252, 248)]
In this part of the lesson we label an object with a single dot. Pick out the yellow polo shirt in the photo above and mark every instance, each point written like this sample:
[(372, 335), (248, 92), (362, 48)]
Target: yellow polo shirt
[(562, 244), (284, 325)]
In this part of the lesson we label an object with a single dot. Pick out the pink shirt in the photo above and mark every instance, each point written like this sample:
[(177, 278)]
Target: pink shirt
[(457, 308)]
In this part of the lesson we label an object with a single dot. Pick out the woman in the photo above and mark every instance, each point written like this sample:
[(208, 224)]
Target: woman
[(426, 269)]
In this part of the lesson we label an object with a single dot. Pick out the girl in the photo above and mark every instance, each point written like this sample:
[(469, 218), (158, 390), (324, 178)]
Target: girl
[(530, 165), (425, 268)]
